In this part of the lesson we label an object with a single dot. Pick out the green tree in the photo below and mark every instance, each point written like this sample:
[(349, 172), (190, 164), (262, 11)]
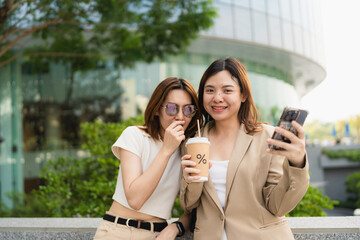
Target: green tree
[(134, 30), (340, 128), (355, 124), (319, 130)]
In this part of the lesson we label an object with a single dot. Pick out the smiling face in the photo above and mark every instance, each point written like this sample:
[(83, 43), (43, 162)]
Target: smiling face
[(181, 98), (222, 97)]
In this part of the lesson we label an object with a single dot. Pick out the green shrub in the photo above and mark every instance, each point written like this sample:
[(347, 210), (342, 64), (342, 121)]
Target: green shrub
[(352, 184), (84, 187), (24, 205), (352, 155), (312, 204), (77, 187)]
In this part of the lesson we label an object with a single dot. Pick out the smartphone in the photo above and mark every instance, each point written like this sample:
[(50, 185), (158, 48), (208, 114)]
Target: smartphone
[(288, 115)]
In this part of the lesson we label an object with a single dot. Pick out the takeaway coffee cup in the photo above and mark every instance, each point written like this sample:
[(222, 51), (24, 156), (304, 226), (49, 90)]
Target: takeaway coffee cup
[(199, 149)]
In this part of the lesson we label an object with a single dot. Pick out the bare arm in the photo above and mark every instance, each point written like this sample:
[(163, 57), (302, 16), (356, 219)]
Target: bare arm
[(288, 179), (138, 185), (190, 192)]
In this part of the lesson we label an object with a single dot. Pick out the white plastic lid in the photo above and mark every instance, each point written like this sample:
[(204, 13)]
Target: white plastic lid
[(197, 140)]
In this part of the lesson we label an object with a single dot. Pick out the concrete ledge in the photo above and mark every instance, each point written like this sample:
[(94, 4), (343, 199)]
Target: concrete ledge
[(325, 224), (314, 228)]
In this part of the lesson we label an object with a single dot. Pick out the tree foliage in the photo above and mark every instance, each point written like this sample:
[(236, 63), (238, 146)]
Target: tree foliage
[(324, 130), (319, 130), (355, 124), (134, 30)]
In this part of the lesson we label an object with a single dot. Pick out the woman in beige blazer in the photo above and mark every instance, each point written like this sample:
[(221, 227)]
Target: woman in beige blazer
[(250, 187)]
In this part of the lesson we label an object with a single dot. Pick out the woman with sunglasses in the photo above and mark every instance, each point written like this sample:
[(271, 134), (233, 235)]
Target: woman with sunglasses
[(250, 187), (150, 171)]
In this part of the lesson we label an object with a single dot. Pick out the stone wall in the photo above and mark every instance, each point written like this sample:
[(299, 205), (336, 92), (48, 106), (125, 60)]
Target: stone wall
[(314, 228)]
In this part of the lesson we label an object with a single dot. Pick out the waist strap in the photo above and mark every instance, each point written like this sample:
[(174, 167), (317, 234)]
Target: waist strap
[(158, 226)]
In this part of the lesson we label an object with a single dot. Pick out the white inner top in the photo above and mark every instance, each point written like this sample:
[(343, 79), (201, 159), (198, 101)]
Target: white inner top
[(217, 174)]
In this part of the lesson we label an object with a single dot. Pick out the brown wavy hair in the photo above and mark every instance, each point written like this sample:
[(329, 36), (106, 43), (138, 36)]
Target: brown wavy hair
[(248, 113), (152, 121)]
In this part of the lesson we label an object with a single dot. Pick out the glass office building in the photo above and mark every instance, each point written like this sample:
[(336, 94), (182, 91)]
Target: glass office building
[(41, 108)]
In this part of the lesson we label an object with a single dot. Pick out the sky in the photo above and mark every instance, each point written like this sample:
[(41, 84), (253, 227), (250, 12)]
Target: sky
[(338, 96)]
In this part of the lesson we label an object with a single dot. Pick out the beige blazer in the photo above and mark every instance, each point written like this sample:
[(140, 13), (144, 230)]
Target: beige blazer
[(260, 189)]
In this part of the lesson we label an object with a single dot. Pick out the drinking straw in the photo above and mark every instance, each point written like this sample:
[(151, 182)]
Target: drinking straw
[(198, 127)]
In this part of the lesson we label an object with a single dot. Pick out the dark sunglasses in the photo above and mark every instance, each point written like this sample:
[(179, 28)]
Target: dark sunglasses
[(172, 109)]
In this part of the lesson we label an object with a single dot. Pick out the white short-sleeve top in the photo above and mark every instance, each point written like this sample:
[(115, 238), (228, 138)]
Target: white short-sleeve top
[(141, 144)]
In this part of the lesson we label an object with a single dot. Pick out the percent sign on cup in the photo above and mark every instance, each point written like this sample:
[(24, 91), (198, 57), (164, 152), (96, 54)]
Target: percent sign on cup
[(201, 158)]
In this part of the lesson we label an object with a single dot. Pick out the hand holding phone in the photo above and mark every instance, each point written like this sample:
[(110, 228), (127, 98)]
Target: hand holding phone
[(288, 115)]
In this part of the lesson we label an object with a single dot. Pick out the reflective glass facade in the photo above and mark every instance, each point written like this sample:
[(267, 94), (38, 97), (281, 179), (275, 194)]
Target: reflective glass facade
[(41, 107)]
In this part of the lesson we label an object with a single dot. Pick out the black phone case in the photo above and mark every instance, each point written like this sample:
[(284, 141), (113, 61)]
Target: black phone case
[(288, 115)]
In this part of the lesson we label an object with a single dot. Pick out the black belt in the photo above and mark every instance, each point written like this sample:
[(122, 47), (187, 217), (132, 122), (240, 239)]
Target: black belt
[(158, 226)]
